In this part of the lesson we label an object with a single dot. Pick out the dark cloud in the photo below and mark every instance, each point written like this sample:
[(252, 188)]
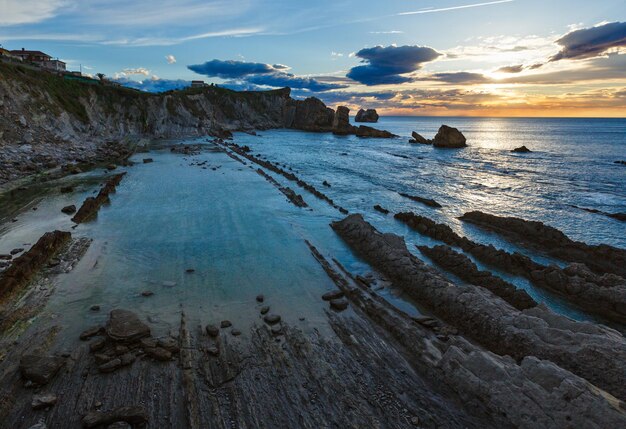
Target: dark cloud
[(258, 75), (292, 81), (231, 69), (535, 66), (597, 69), (591, 42), (153, 85), (388, 65), (458, 77), (511, 69)]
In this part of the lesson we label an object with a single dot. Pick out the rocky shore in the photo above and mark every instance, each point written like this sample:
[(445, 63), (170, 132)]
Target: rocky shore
[(590, 351), (604, 295)]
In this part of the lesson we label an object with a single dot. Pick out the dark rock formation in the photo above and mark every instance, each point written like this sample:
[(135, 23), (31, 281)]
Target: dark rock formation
[(461, 266), (69, 209), (427, 201), (333, 294), (496, 385), (26, 265), (125, 327), (341, 121), (288, 175), (620, 162), (91, 205), (135, 416), (618, 216), (603, 295), (590, 351), (310, 114), (40, 369), (381, 209), (369, 115), (601, 258), (364, 131), (417, 138), (448, 137), (521, 149)]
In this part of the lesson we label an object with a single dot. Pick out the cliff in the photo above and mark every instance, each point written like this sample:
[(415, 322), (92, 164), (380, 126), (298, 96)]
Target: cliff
[(48, 121)]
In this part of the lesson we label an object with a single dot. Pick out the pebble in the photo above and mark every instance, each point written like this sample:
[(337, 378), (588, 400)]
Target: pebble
[(226, 324), (265, 309), (43, 401), (235, 332), (147, 293), (260, 298), (213, 351), (190, 270), (95, 307)]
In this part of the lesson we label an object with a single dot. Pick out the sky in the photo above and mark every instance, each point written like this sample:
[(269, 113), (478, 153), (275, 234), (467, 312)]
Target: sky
[(403, 57)]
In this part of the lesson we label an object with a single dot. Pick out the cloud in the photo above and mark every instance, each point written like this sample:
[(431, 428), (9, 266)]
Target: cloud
[(458, 77), (231, 69), (446, 9), (171, 59), (511, 69), (591, 42), (15, 12), (388, 65), (260, 74), (154, 84), (292, 81), (139, 70)]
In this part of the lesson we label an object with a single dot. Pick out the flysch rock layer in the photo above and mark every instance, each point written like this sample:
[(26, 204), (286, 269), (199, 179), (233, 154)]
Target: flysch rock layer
[(601, 258), (604, 295), (594, 352)]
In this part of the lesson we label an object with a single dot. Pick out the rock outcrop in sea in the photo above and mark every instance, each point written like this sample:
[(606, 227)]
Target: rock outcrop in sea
[(446, 137), (369, 115)]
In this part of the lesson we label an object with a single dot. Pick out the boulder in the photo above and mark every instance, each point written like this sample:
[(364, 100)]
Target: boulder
[(521, 149), (69, 209), (369, 115), (448, 137), (43, 401), (40, 369), (419, 139), (124, 326)]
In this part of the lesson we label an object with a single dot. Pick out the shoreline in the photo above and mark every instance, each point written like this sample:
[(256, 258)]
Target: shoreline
[(375, 362)]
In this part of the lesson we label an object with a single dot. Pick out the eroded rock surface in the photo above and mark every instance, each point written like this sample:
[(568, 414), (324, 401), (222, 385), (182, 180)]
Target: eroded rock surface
[(601, 258), (91, 205), (591, 351)]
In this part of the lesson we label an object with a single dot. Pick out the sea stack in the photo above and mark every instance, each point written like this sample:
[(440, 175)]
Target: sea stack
[(369, 115), (341, 121), (448, 137)]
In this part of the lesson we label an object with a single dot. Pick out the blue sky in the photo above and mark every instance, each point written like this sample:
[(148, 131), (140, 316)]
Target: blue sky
[(402, 56)]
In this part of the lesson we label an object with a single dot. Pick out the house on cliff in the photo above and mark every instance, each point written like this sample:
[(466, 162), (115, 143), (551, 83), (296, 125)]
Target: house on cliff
[(40, 59)]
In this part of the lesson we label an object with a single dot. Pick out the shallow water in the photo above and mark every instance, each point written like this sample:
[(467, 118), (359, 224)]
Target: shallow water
[(242, 237)]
